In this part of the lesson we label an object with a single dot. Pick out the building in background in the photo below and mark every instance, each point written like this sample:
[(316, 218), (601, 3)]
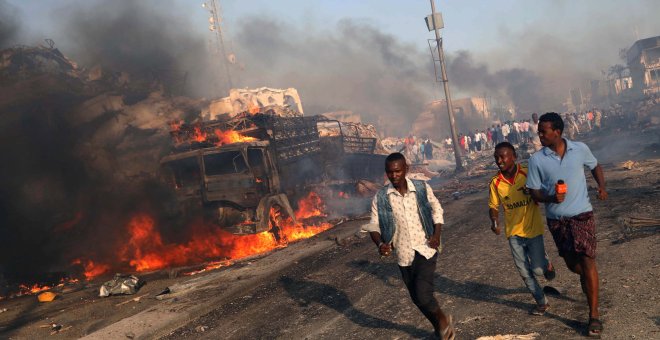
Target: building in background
[(241, 100), (470, 113), (644, 63)]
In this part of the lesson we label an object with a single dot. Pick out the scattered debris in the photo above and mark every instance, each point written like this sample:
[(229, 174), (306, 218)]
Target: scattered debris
[(201, 329), (366, 188), (472, 318), (121, 285), (530, 336), (640, 222), (46, 297), (130, 335), (629, 165), (164, 292), (135, 299), (60, 329), (56, 328)]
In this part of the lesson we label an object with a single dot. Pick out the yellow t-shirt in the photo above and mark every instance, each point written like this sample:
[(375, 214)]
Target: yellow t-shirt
[(522, 216)]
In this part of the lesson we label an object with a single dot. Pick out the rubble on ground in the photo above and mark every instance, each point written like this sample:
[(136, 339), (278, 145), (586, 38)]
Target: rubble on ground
[(121, 285)]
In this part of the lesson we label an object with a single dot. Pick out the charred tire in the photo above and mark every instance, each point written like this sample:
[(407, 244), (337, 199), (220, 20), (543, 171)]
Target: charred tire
[(276, 217)]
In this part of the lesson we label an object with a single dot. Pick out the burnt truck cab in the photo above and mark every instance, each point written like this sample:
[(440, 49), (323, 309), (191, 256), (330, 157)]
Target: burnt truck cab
[(235, 185), (244, 187)]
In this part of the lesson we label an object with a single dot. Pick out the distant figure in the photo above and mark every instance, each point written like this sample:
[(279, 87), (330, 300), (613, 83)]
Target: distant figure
[(422, 152), (598, 116), (506, 130), (533, 132), (428, 148), (569, 213), (522, 221), (489, 136), (571, 127), (406, 216)]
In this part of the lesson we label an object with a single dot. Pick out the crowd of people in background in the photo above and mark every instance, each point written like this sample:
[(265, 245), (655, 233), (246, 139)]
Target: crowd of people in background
[(516, 132)]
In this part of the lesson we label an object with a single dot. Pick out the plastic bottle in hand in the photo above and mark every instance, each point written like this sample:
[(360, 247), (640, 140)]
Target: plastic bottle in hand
[(560, 190), (561, 187)]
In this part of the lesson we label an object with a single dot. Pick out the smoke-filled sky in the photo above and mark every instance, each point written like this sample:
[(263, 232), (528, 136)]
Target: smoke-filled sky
[(369, 56), (68, 163)]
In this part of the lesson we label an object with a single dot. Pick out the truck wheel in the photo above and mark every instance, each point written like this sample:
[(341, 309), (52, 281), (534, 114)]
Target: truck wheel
[(276, 219)]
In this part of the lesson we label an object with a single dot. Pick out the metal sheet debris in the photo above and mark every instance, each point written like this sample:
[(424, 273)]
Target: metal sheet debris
[(121, 285)]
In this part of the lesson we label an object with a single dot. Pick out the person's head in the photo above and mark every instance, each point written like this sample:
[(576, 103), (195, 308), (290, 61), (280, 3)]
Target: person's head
[(505, 156), (396, 168), (535, 117), (550, 128)]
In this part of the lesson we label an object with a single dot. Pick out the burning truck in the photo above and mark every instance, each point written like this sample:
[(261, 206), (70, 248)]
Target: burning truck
[(242, 173)]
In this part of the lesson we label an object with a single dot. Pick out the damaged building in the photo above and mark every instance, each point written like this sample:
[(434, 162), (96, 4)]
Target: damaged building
[(468, 112), (241, 100), (644, 63)]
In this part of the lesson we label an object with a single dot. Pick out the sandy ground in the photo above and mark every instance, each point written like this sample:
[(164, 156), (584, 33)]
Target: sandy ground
[(322, 288)]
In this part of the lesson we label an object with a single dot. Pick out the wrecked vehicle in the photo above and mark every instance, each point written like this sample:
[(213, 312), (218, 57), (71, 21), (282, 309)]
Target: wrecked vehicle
[(243, 172)]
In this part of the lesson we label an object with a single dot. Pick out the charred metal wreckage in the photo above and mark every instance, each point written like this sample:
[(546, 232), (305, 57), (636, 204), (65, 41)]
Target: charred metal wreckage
[(239, 170)]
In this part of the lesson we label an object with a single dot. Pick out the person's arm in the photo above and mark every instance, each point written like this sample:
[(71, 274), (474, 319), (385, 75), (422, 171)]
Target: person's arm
[(385, 249), (434, 241), (493, 213), (597, 172), (438, 218), (373, 228), (493, 208), (540, 197)]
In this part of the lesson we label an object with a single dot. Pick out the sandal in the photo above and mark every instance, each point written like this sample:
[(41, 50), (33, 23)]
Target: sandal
[(448, 333), (539, 310), (595, 328)]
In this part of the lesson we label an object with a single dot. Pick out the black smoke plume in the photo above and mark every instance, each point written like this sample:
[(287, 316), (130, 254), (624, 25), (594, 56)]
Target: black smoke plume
[(9, 24)]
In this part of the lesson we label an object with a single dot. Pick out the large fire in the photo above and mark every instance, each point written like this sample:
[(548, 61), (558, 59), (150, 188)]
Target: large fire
[(145, 250), (91, 269), (198, 135), (231, 136)]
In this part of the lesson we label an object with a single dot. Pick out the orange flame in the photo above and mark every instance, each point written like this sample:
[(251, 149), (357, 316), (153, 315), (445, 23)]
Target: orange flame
[(32, 289), (211, 266), (175, 125), (231, 136), (145, 249), (92, 269), (253, 109), (199, 135), (310, 206)]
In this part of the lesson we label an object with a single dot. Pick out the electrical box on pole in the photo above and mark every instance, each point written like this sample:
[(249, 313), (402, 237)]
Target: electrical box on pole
[(437, 18)]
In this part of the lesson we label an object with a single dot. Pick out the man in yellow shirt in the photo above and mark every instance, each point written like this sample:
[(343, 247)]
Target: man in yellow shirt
[(522, 221)]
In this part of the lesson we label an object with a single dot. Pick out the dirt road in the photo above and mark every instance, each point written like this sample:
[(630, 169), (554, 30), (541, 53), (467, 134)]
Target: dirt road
[(347, 292), (324, 289)]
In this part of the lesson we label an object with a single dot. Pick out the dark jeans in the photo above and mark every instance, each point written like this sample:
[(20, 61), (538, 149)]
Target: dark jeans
[(418, 278)]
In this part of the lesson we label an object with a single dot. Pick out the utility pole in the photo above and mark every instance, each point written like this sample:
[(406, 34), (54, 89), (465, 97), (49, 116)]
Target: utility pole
[(436, 22), (217, 28)]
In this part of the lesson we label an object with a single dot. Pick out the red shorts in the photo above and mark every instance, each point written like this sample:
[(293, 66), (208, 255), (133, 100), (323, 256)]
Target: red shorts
[(575, 235)]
